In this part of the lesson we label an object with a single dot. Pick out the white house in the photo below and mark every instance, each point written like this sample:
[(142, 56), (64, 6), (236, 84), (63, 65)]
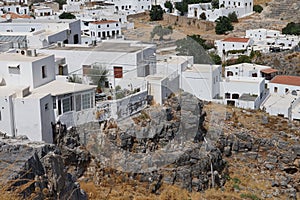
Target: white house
[(100, 30), (266, 40), (19, 9), (202, 80), (284, 98), (31, 99), (73, 5), (228, 46), (22, 2), (242, 8), (43, 32), (41, 11), (250, 70), (131, 6), (282, 84), (243, 92), (118, 56)]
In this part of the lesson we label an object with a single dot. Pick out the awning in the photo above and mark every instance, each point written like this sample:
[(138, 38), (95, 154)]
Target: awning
[(269, 71)]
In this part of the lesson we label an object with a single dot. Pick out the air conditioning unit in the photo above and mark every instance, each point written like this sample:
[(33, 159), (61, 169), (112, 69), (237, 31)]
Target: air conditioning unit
[(31, 52)]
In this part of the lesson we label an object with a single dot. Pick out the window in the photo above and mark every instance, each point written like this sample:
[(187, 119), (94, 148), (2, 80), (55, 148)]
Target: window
[(0, 116), (86, 101), (107, 25), (117, 24), (235, 96), (46, 106), (118, 72), (275, 89), (66, 104), (239, 3), (286, 90), (99, 26), (227, 95), (44, 73), (14, 69), (78, 102), (233, 45)]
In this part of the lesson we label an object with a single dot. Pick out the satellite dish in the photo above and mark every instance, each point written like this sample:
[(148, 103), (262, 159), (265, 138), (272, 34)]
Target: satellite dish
[(8, 16)]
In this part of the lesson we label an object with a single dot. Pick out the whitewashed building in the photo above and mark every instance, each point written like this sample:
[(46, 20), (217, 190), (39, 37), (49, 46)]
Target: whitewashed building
[(40, 33), (250, 70), (227, 46), (242, 8), (202, 80), (42, 11), (284, 98), (118, 56), (31, 99), (131, 6), (104, 29), (243, 92), (266, 40), (19, 9)]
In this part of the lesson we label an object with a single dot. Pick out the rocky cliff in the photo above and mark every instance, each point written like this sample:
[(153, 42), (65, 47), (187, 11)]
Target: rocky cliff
[(161, 145), (39, 170)]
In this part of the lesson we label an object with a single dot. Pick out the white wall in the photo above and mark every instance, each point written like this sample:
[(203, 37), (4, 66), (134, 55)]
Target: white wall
[(281, 88), (49, 64), (97, 30), (7, 115), (37, 126)]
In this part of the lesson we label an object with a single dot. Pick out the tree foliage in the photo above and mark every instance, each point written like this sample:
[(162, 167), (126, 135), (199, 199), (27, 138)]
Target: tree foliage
[(66, 15), (257, 8), (98, 75), (243, 59), (216, 59), (169, 5), (203, 16), (223, 24), (156, 13), (233, 17), (194, 46), (161, 31), (292, 28), (215, 4)]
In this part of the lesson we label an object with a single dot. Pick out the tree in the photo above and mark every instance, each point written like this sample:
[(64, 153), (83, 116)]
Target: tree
[(98, 75), (193, 46), (156, 13), (223, 25), (161, 31), (215, 4), (257, 8), (215, 58), (66, 15), (203, 16), (182, 7), (233, 17), (169, 5), (292, 28), (243, 59)]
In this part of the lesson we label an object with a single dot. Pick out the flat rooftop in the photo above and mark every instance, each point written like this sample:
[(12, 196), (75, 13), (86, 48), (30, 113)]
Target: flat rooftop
[(248, 66), (279, 101), (243, 79), (202, 68), (56, 88), (248, 97), (105, 47), (17, 57)]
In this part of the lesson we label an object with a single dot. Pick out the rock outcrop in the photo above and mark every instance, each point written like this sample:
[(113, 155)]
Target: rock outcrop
[(43, 170), (160, 145)]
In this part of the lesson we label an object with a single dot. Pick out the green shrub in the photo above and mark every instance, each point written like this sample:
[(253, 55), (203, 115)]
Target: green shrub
[(257, 8)]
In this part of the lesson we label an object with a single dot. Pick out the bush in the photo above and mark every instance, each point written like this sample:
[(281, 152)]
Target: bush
[(156, 13), (203, 16), (169, 5), (292, 29), (66, 15), (223, 25), (215, 58), (233, 17), (257, 8)]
